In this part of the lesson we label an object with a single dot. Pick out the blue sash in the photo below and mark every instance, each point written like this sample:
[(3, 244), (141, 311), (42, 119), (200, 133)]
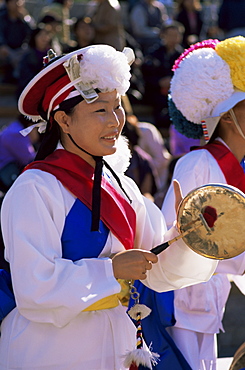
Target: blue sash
[(6, 294), (77, 242)]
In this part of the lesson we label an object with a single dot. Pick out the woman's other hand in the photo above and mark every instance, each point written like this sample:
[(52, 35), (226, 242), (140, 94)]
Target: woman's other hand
[(178, 195)]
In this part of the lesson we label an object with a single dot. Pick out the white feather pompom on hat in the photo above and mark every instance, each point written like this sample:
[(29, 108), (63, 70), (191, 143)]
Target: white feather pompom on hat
[(106, 69), (94, 67), (195, 99)]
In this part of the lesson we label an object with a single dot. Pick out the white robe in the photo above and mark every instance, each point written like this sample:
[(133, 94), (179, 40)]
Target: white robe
[(48, 330), (200, 308)]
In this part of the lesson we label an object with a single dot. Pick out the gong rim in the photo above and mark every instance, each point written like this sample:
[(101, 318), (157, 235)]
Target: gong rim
[(226, 238)]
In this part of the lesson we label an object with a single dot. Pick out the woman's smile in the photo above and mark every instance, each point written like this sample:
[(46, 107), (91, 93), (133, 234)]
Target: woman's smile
[(110, 137), (95, 127)]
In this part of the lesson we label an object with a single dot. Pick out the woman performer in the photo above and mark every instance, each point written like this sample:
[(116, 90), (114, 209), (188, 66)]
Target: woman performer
[(207, 101), (73, 225)]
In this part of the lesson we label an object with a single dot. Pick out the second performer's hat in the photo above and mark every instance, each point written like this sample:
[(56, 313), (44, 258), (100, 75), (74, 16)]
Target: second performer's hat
[(208, 80)]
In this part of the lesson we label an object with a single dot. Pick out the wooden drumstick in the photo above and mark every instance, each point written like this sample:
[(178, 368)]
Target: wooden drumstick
[(207, 218)]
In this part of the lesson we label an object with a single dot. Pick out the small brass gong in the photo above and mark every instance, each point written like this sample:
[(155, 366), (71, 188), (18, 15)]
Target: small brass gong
[(226, 238)]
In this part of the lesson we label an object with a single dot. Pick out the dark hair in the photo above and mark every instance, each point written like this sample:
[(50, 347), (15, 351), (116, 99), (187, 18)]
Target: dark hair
[(59, 1), (52, 134), (85, 20), (32, 39), (173, 25), (181, 6), (47, 19)]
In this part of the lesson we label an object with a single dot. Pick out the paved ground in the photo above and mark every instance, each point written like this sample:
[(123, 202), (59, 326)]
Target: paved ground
[(234, 324)]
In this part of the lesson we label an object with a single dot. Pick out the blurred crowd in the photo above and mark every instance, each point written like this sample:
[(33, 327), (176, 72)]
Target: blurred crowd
[(157, 30)]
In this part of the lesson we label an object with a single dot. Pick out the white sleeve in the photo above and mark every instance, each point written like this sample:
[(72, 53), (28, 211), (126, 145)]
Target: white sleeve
[(48, 288), (178, 266), (235, 265)]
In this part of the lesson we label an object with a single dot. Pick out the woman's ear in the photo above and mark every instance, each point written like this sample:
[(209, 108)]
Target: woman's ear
[(226, 117), (63, 121)]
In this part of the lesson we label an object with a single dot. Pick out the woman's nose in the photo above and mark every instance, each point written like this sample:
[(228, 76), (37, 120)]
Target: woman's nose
[(114, 119)]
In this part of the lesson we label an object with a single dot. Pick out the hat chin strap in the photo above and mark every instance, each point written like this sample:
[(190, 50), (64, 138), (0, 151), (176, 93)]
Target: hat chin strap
[(236, 123), (96, 193), (79, 147)]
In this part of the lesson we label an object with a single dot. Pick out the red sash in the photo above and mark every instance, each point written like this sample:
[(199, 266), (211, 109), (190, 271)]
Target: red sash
[(77, 176), (228, 163)]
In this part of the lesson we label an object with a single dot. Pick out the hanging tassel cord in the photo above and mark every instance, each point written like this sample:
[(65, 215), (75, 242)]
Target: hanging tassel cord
[(139, 331), (96, 199), (140, 355), (139, 337), (96, 194)]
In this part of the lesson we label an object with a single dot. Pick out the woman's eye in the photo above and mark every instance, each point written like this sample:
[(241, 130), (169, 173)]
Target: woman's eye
[(100, 110), (119, 106)]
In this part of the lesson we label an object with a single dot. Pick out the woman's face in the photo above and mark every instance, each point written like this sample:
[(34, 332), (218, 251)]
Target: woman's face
[(95, 127), (171, 37), (228, 131), (84, 33), (43, 40)]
